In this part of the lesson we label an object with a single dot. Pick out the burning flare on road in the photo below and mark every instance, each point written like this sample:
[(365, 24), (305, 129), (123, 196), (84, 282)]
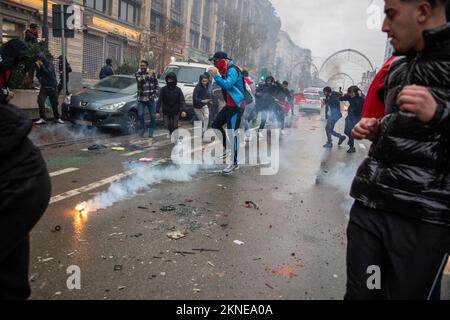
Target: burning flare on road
[(82, 208)]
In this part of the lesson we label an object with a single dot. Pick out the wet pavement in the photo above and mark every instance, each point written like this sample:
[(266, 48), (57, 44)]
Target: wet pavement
[(244, 236)]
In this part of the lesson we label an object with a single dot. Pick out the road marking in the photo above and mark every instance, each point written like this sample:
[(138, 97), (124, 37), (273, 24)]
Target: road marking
[(95, 185), (362, 146), (63, 171), (129, 154)]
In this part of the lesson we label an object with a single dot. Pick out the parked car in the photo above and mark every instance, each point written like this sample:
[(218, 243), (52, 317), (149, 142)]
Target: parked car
[(312, 100), (109, 103)]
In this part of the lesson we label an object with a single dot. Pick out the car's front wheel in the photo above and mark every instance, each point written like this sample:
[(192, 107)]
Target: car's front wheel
[(132, 123)]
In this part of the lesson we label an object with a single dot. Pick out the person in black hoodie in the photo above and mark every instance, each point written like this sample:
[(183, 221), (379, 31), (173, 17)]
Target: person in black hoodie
[(170, 102), (61, 70), (333, 115), (265, 101), (355, 98), (47, 79), (24, 183)]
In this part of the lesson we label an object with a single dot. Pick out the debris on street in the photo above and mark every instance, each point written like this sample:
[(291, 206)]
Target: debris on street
[(176, 235), (238, 242)]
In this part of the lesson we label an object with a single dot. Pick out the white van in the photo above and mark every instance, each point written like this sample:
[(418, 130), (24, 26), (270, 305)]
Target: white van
[(188, 75)]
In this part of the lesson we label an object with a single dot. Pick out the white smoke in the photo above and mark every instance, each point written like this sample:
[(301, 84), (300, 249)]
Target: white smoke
[(60, 133), (142, 178), (341, 177)]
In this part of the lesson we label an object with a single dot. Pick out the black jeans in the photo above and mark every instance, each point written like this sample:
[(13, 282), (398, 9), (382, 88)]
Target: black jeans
[(171, 122), (22, 204), (411, 255), (52, 94), (329, 129), (230, 116), (350, 123)]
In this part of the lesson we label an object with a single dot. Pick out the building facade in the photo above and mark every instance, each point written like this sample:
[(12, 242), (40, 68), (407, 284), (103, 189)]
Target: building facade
[(159, 31)]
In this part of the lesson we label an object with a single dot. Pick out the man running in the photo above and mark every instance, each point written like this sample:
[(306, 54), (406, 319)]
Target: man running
[(333, 115), (229, 77)]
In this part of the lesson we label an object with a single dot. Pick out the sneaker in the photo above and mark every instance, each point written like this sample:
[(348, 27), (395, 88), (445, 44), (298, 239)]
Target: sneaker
[(59, 121), (230, 169), (40, 121), (328, 145), (260, 134), (351, 150), (168, 136), (341, 140)]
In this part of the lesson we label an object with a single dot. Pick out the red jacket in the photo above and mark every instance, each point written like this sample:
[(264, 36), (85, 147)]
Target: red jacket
[(374, 106)]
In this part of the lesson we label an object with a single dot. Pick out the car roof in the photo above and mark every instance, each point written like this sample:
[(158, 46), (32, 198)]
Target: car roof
[(187, 64)]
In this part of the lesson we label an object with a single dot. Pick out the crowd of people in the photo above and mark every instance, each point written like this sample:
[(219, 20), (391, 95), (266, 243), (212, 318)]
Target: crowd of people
[(400, 219)]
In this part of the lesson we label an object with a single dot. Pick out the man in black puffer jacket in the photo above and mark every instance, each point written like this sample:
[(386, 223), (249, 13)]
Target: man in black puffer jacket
[(24, 183), (399, 230)]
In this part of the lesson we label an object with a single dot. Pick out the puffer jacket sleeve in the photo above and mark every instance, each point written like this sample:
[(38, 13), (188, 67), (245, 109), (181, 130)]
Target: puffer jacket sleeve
[(441, 119)]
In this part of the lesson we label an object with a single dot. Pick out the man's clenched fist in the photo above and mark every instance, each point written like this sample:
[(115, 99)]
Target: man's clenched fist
[(367, 128)]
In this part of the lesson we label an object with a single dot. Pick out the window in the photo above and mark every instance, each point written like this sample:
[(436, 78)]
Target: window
[(206, 16), (99, 5), (185, 74), (177, 11), (206, 42), (195, 39), (128, 12), (156, 22), (158, 6)]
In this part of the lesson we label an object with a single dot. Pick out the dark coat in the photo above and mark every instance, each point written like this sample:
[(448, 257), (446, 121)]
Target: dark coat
[(19, 158), (106, 71), (266, 101), (333, 107), (47, 76), (355, 109), (407, 171), (171, 98), (201, 93)]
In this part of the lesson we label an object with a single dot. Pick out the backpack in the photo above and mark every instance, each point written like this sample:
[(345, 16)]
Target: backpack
[(248, 97)]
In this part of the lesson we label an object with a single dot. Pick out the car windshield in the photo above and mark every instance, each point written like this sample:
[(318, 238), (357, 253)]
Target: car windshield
[(310, 96), (117, 84), (189, 75)]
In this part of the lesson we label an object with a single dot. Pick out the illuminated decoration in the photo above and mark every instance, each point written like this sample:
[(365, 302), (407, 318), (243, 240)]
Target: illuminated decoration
[(115, 28)]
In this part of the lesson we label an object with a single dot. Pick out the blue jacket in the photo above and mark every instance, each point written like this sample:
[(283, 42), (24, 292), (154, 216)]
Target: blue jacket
[(232, 83)]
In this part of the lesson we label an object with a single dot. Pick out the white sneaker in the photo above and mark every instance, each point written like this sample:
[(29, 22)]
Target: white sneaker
[(40, 121), (230, 169), (59, 121), (260, 134), (168, 136)]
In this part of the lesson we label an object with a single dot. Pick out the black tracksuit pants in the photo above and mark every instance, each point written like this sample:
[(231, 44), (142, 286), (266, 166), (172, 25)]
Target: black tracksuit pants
[(411, 255), (21, 206), (52, 94)]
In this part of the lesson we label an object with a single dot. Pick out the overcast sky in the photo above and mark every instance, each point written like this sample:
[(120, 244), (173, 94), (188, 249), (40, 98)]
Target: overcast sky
[(327, 26)]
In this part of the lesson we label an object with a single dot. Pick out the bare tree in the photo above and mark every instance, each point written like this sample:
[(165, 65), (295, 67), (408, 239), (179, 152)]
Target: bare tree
[(170, 33), (241, 38)]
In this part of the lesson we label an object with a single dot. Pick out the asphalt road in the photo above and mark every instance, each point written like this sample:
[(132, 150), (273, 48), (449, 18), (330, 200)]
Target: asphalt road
[(292, 242)]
